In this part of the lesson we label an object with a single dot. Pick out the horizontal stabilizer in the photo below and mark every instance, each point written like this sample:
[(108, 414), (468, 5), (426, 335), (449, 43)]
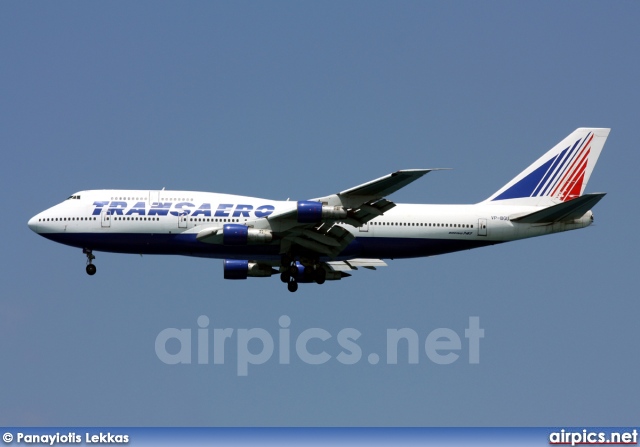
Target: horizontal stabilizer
[(565, 211)]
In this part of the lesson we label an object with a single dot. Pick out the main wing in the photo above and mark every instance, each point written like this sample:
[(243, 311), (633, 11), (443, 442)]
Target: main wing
[(354, 206), (365, 202)]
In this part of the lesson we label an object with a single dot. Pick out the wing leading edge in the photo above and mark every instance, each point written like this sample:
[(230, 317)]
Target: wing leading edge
[(375, 189), (387, 184)]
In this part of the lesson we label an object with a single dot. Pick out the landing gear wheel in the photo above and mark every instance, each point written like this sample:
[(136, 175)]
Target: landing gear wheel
[(91, 269), (292, 286), (284, 277)]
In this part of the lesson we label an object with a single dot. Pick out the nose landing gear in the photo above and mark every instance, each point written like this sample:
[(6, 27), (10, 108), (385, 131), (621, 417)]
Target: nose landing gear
[(91, 269)]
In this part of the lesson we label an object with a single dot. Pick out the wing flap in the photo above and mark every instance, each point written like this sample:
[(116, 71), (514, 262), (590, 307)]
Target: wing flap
[(321, 238), (368, 211), (353, 264), (314, 245), (327, 241)]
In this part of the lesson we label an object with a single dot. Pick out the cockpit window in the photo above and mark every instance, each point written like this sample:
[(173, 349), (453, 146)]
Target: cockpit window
[(73, 197)]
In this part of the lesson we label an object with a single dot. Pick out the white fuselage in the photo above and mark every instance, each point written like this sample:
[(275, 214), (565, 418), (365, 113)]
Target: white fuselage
[(166, 222)]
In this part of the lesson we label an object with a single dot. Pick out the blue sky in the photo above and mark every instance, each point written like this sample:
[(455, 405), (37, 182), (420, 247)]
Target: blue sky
[(298, 100)]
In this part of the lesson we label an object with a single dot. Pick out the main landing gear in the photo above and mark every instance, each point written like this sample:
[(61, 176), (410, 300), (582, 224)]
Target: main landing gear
[(91, 269), (292, 285), (290, 272), (291, 282)]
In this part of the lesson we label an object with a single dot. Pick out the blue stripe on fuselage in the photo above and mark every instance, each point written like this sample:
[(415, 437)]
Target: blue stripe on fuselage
[(188, 245)]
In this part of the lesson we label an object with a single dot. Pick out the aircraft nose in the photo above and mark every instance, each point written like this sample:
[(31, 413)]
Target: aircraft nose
[(33, 224)]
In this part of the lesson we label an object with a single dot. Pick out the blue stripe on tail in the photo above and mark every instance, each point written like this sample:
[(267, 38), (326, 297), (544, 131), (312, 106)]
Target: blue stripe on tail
[(526, 186)]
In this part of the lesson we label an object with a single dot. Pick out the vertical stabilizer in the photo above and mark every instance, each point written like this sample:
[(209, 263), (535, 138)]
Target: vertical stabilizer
[(559, 175)]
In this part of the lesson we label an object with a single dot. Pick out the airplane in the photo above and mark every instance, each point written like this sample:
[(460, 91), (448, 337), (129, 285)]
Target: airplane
[(323, 239)]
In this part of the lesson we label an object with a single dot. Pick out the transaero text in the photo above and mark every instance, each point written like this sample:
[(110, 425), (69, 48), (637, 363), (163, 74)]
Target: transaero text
[(119, 208)]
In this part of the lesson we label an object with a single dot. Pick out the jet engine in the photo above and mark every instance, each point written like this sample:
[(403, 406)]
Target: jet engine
[(312, 212), (234, 234), (241, 269)]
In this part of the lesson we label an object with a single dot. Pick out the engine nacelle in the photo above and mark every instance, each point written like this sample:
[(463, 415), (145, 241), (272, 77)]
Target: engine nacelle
[(241, 269), (236, 269), (312, 212), (234, 234)]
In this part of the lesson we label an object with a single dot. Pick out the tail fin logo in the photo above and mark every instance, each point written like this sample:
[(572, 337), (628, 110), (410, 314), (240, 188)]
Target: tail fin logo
[(561, 177)]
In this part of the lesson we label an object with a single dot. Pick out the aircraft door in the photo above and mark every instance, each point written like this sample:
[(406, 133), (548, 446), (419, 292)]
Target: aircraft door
[(105, 219), (364, 228), (482, 227), (182, 221)]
